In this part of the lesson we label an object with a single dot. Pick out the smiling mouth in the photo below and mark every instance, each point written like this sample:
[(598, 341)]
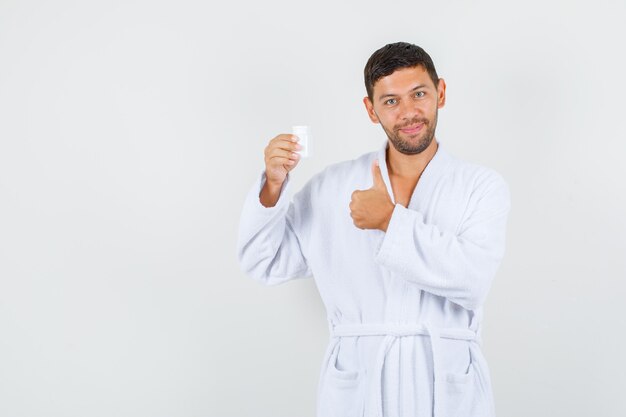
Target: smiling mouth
[(413, 129)]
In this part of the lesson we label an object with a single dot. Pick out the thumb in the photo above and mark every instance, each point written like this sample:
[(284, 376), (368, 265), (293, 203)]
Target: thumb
[(377, 176)]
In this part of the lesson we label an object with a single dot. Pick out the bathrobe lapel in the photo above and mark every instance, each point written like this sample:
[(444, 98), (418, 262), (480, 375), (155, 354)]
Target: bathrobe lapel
[(433, 169)]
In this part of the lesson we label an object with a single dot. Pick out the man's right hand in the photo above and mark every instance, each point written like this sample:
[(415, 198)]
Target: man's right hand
[(280, 158)]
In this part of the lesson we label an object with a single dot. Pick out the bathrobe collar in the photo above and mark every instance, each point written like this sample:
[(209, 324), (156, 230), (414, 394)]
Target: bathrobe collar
[(434, 169)]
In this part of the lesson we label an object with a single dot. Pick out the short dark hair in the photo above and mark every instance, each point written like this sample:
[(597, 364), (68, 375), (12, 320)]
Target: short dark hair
[(394, 56)]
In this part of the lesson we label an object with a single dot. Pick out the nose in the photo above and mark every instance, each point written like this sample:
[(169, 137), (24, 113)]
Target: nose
[(409, 109)]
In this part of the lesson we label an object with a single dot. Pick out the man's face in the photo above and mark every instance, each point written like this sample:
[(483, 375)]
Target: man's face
[(405, 103)]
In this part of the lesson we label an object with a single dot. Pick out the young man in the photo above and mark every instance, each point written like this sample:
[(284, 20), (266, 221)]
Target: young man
[(403, 244)]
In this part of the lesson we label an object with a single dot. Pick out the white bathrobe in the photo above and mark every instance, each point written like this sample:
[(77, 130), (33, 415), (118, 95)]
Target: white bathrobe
[(404, 307)]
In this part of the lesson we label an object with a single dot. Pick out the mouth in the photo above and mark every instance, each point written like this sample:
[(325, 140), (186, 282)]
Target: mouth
[(412, 129)]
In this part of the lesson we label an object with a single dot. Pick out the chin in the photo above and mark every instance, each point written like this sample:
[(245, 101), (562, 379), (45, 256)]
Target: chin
[(405, 147)]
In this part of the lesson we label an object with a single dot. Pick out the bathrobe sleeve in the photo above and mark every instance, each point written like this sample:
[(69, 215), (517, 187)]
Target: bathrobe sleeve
[(457, 265), (268, 246)]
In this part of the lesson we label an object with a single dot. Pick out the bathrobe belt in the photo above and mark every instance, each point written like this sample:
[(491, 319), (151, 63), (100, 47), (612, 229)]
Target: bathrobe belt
[(392, 331)]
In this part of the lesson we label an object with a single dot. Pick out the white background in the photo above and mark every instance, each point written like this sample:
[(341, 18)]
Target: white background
[(130, 132)]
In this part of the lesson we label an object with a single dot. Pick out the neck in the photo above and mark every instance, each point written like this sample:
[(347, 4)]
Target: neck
[(409, 167)]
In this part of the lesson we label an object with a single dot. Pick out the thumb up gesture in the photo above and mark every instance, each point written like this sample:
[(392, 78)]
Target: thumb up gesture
[(372, 208)]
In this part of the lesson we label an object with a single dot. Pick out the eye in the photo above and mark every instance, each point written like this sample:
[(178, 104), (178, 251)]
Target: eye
[(420, 92), (390, 100)]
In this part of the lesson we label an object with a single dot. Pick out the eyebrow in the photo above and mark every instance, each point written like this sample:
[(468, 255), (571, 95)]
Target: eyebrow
[(417, 87)]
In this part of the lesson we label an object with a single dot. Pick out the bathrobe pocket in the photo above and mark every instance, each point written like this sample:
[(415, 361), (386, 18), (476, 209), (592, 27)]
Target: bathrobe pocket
[(341, 394), (461, 396)]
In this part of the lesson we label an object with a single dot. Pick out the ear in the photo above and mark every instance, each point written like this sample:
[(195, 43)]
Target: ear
[(370, 110), (441, 93)]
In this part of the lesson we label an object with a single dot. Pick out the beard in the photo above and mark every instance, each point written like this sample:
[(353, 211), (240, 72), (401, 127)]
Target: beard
[(416, 143)]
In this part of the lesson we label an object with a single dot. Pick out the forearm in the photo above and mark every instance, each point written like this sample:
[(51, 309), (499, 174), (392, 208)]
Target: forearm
[(458, 265), (267, 246), (270, 193), (438, 261)]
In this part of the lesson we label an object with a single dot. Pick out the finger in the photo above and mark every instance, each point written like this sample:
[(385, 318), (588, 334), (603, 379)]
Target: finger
[(279, 160), (284, 144), (285, 136), (377, 176), (283, 153), (285, 139)]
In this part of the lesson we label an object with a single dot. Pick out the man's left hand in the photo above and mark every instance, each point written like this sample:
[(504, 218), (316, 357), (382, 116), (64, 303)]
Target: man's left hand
[(372, 208)]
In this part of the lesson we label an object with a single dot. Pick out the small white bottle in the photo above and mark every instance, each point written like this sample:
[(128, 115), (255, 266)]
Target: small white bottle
[(304, 133)]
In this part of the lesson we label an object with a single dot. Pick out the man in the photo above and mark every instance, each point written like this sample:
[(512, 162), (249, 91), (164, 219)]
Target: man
[(403, 244)]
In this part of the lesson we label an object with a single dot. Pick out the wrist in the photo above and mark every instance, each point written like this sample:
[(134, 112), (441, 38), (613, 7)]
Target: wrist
[(274, 184), (385, 225)]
